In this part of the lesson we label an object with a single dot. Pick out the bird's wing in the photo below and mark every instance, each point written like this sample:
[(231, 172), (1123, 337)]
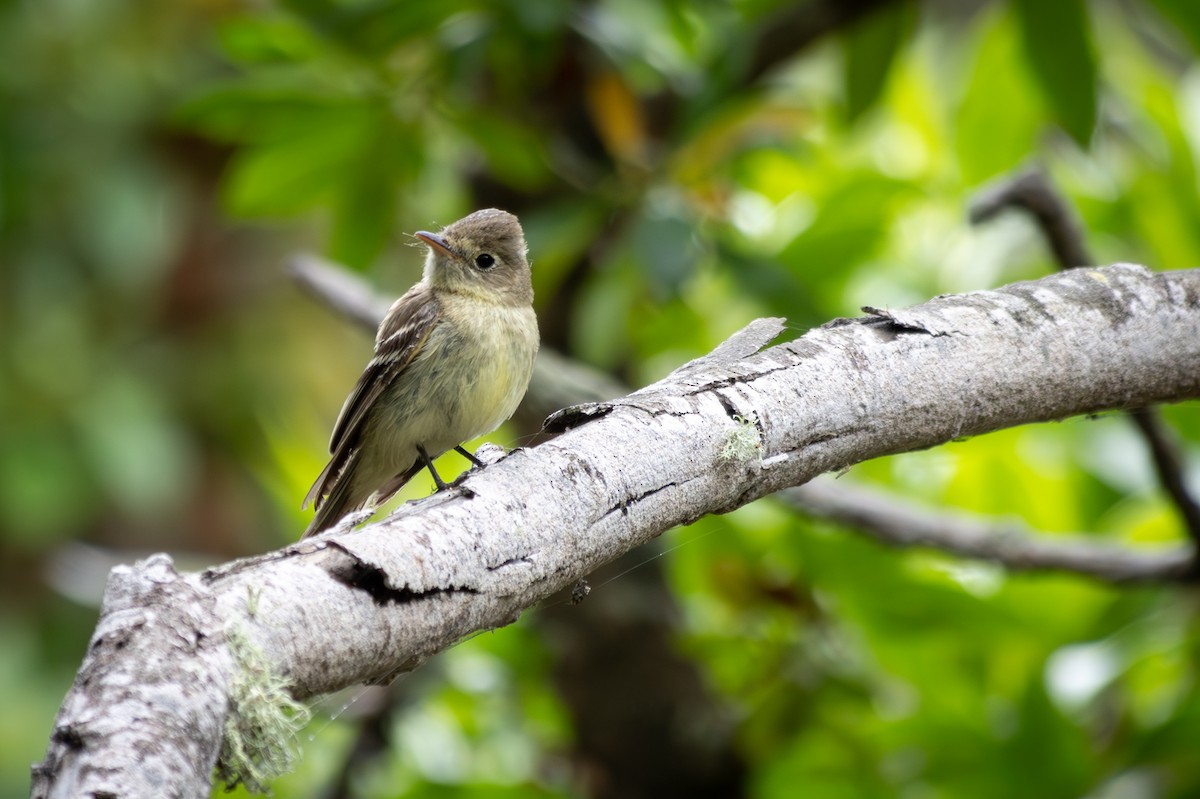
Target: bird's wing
[(401, 336)]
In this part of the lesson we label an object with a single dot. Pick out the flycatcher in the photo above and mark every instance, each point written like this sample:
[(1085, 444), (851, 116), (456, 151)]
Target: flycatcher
[(452, 360)]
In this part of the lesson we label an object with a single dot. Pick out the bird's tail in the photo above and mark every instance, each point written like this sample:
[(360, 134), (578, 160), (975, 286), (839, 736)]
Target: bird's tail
[(342, 496), (396, 483)]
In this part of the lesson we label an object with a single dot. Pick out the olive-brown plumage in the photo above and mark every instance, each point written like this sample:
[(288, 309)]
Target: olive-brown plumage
[(452, 360)]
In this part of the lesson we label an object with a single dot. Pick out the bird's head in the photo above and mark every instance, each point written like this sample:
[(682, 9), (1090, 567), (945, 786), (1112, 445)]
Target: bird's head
[(483, 254)]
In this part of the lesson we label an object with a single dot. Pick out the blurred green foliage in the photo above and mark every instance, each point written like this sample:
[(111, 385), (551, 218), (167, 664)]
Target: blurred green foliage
[(680, 168)]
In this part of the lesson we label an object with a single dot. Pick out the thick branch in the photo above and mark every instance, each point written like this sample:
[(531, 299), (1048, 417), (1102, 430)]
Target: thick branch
[(1031, 191), (895, 523), (145, 716), (348, 607)]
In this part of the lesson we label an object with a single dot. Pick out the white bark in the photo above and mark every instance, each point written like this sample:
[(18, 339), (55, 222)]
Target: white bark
[(349, 607)]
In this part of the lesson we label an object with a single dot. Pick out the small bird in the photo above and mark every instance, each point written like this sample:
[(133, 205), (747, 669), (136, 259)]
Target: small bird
[(452, 361)]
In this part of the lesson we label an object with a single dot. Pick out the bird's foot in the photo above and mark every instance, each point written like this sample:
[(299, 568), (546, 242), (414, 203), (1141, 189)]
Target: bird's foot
[(485, 455)]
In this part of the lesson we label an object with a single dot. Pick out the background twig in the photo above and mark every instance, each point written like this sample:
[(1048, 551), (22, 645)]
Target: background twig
[(892, 522), (1030, 191)]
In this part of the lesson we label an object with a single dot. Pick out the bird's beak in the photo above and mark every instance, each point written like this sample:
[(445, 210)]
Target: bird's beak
[(435, 241)]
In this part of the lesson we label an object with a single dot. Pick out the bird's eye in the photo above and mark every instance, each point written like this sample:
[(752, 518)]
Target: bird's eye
[(484, 261)]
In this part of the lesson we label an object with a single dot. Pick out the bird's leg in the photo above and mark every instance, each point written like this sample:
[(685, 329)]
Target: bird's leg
[(437, 478), (478, 463)]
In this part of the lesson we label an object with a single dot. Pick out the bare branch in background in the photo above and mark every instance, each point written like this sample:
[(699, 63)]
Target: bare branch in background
[(1030, 191), (1168, 462), (795, 26), (900, 524)]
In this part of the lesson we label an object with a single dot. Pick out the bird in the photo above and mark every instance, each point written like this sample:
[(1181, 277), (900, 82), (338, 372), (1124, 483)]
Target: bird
[(453, 358)]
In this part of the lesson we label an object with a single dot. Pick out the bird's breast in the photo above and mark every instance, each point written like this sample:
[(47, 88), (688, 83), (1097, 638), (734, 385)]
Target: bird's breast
[(489, 352)]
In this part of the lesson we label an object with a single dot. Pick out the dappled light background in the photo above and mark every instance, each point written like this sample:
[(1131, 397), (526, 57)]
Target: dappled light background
[(680, 169)]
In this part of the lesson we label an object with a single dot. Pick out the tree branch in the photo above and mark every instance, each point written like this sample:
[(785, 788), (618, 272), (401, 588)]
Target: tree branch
[(1032, 192), (340, 289), (564, 382), (1168, 463), (899, 524), (794, 27), (360, 606)]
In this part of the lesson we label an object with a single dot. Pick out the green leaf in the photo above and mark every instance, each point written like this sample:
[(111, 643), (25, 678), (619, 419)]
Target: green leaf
[(375, 27), (850, 224), (266, 110), (1047, 755), (1185, 15), (364, 218), (268, 40), (997, 121), (514, 150), (1059, 50), (663, 248), (558, 236), (288, 177), (365, 211), (870, 49)]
